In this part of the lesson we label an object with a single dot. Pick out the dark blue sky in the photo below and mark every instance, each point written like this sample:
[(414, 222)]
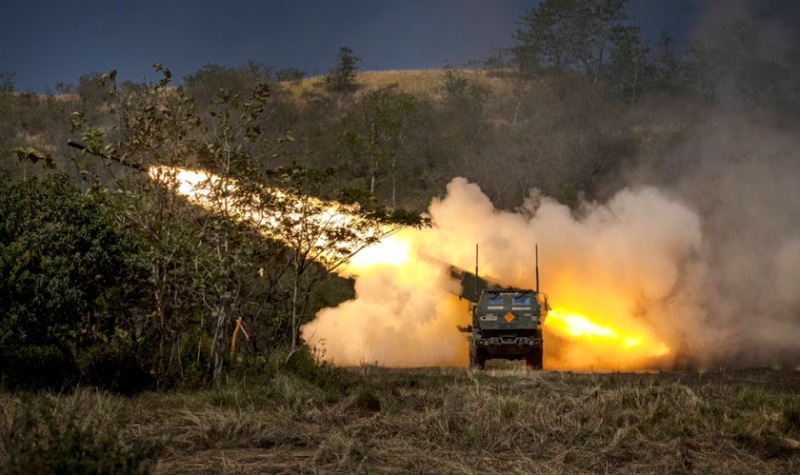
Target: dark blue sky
[(58, 40)]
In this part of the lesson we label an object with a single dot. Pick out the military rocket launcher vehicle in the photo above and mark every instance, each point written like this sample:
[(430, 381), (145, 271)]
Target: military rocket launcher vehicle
[(506, 321)]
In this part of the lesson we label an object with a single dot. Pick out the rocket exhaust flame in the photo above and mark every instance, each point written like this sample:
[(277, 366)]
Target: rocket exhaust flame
[(197, 186), (579, 327), (615, 265)]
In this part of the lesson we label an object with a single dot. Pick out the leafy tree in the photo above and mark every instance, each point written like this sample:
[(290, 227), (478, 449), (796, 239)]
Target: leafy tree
[(669, 69), (154, 130), (606, 21), (64, 88), (376, 133), (554, 35), (629, 70), (341, 78), (65, 266), (214, 77), (568, 35), (463, 109), (498, 62), (91, 89), (289, 75), (205, 84)]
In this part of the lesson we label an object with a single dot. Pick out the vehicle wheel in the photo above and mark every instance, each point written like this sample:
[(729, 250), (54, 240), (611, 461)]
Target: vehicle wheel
[(482, 357), (535, 359)]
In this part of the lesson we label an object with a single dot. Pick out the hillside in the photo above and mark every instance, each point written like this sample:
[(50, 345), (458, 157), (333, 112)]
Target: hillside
[(420, 82)]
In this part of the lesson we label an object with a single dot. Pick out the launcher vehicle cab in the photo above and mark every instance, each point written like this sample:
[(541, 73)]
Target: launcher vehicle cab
[(506, 321), (507, 324)]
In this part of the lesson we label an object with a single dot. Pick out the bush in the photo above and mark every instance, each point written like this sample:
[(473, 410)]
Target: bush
[(791, 418), (69, 278), (306, 365), (34, 367), (34, 443), (121, 367), (368, 401)]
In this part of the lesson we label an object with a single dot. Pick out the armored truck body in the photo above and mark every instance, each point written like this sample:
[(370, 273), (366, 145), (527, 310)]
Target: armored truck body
[(507, 324), (506, 321)]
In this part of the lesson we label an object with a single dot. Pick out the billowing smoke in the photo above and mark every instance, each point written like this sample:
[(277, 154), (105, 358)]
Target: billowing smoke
[(619, 264), (741, 174)]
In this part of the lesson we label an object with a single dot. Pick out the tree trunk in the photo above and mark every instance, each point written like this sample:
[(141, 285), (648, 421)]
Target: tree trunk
[(69, 356), (219, 347), (599, 63), (294, 306), (394, 182)]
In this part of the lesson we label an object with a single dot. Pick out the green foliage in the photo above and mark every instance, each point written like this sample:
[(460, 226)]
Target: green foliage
[(376, 135), (791, 417), (307, 365), (91, 89), (555, 34), (62, 262), (289, 75), (727, 64), (121, 365), (499, 62), (593, 38), (35, 442), (34, 156), (206, 82), (463, 110), (341, 78)]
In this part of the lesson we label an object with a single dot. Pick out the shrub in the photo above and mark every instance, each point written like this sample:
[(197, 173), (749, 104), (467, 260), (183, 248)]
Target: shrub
[(791, 418), (34, 367), (120, 366), (367, 400), (35, 442)]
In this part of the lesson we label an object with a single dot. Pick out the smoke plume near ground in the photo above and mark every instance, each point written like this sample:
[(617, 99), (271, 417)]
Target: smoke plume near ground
[(616, 263), (741, 174)]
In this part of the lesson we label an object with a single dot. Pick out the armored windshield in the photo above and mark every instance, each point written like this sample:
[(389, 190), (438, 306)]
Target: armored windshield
[(496, 301), (526, 300)]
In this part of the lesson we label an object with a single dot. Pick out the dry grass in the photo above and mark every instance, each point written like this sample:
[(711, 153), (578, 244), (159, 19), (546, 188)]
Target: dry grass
[(457, 421), (422, 82)]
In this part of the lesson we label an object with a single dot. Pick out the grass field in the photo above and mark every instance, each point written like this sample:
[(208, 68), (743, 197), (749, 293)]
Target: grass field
[(419, 82), (457, 421)]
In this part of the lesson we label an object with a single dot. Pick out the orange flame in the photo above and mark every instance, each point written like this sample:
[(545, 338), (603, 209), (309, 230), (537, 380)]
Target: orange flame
[(580, 327)]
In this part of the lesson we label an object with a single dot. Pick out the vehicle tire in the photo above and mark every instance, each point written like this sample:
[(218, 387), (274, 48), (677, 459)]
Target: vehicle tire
[(535, 359), (482, 357)]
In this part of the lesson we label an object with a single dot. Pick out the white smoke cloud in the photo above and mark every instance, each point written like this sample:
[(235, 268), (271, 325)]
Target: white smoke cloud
[(616, 263)]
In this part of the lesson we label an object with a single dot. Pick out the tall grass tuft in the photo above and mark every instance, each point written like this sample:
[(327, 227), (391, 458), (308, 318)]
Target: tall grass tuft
[(34, 441)]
